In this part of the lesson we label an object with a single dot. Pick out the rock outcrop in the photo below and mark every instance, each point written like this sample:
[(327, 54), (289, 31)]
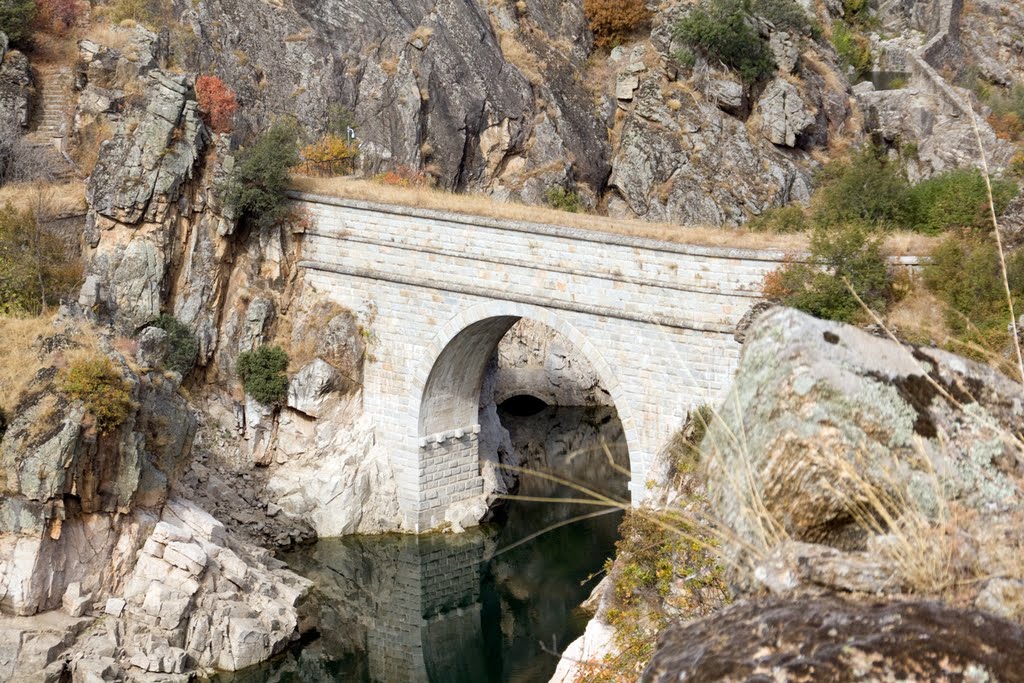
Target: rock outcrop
[(835, 417), (69, 490), (837, 640), (867, 472), (15, 85)]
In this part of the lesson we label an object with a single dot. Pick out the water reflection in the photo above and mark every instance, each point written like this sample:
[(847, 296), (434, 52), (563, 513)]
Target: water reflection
[(466, 608)]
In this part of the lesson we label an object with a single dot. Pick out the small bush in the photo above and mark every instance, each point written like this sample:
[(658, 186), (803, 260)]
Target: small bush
[(217, 102), (612, 21), (3, 423), (853, 48), (958, 199), (404, 176), (557, 197), (843, 254), (59, 15), (331, 155), (785, 15), (35, 270), (184, 345), (139, 11), (870, 189), (261, 176), (780, 219), (106, 394), (858, 12), (965, 274), (1007, 105), (263, 374), (16, 18), (722, 31)]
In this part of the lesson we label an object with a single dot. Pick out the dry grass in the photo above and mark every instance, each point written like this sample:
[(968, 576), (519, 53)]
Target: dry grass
[(22, 359), (55, 199), (19, 362), (108, 35), (915, 318), (479, 205)]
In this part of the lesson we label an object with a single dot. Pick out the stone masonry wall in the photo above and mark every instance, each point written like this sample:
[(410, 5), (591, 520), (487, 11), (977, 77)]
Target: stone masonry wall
[(655, 319)]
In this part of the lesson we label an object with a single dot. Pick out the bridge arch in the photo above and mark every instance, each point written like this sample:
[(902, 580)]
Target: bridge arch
[(446, 388)]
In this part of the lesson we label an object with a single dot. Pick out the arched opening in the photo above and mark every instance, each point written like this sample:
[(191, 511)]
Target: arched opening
[(466, 463), (522, 405)]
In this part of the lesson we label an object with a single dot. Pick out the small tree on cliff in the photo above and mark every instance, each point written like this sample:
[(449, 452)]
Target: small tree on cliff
[(263, 374), (217, 102), (16, 17), (262, 176)]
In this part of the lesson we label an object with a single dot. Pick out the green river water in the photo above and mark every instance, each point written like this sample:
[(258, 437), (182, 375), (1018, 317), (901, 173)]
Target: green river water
[(477, 607)]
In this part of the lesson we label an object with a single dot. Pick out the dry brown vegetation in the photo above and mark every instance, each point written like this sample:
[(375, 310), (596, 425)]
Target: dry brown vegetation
[(900, 243), (59, 199), (22, 358)]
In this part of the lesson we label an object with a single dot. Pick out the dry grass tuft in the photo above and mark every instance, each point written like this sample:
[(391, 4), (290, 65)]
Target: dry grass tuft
[(55, 199), (108, 35), (22, 358), (19, 362)]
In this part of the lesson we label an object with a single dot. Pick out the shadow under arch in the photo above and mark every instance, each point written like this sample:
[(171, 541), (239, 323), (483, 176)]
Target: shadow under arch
[(447, 389)]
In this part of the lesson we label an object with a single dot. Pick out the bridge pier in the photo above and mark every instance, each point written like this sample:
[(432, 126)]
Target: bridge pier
[(449, 473)]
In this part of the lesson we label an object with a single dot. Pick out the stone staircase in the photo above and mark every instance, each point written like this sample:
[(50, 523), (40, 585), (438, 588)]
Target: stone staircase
[(54, 102)]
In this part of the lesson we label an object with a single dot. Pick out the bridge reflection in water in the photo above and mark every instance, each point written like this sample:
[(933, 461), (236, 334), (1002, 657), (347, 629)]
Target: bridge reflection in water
[(457, 608)]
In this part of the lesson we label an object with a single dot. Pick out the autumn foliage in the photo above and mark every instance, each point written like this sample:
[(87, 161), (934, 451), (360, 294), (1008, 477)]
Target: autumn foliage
[(217, 102), (331, 155), (612, 21), (58, 15)]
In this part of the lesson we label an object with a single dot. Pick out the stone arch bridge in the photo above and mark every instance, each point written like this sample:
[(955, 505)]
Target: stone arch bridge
[(437, 291)]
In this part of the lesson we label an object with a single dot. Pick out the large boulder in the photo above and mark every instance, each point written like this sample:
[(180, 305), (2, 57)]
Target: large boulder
[(15, 86), (680, 161), (196, 596), (836, 437), (836, 640), (784, 115)]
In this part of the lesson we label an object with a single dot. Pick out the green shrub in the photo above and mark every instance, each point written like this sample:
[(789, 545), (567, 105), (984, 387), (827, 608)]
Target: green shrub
[(16, 17), (965, 274), (958, 199), (780, 219), (858, 12), (557, 197), (785, 15), (722, 30), (105, 392), (846, 253), (261, 177), (853, 48), (184, 345), (263, 374), (870, 189)]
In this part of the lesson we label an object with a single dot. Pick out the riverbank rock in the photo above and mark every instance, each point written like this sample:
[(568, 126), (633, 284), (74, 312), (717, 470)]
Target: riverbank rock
[(828, 638), (71, 513), (198, 598), (842, 427)]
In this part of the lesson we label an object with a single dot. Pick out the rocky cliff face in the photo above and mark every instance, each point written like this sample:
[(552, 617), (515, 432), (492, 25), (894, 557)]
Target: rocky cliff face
[(510, 99), (70, 491), (89, 526)]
